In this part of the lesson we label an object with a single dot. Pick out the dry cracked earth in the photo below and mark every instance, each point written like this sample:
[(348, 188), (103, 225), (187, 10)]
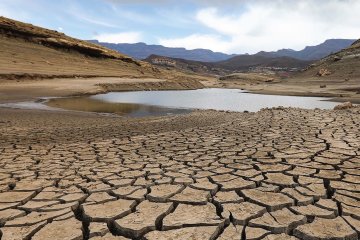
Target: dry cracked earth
[(275, 174)]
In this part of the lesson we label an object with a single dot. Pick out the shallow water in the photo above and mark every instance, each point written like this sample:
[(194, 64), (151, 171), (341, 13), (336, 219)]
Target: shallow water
[(214, 98), (89, 104), (159, 103)]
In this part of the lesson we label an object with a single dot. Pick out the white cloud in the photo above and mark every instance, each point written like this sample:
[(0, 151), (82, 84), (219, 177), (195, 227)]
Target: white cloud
[(194, 41), (123, 37), (272, 25)]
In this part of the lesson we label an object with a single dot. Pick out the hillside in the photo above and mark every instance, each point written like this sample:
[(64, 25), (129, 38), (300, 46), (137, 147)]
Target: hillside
[(244, 62), (240, 63), (312, 52), (30, 51), (184, 65), (337, 75), (142, 51), (342, 66)]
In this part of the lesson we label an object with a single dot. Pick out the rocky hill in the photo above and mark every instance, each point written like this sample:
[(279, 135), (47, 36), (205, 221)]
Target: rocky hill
[(245, 62), (30, 51), (342, 66), (240, 63)]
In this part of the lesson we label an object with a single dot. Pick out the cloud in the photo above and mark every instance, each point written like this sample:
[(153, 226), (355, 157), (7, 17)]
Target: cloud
[(272, 25), (123, 37), (194, 41)]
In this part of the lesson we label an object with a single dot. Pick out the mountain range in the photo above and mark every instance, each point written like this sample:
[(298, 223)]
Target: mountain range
[(143, 51), (310, 53)]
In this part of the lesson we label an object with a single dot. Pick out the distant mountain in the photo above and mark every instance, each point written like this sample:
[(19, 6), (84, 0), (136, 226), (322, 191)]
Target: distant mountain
[(142, 51), (312, 52)]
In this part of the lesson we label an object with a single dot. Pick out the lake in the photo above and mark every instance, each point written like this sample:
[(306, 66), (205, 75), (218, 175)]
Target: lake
[(143, 103)]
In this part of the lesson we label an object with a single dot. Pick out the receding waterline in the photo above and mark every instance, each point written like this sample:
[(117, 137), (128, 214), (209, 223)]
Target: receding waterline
[(214, 98), (158, 103)]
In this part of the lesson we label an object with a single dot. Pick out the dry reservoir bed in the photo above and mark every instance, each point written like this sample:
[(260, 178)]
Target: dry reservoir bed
[(274, 174)]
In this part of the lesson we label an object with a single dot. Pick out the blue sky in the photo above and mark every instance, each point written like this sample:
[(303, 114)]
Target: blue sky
[(234, 26)]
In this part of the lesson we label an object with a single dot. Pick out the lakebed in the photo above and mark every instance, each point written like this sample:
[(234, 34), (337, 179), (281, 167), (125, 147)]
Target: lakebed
[(275, 173), (155, 103)]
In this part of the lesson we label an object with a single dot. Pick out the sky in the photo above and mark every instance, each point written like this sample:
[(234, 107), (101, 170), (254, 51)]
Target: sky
[(229, 26)]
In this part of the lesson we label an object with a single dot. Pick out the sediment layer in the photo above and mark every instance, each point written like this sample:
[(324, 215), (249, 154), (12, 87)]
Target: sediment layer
[(275, 174)]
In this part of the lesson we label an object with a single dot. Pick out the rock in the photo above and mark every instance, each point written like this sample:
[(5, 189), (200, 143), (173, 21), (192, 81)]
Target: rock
[(323, 72), (188, 233), (323, 229), (143, 220), (192, 215), (343, 106), (105, 212), (70, 229)]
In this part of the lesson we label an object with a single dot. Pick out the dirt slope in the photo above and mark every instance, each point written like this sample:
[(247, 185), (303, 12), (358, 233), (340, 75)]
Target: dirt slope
[(31, 51), (343, 65)]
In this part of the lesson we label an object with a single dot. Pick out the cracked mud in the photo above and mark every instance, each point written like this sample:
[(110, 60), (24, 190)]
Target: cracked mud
[(274, 174)]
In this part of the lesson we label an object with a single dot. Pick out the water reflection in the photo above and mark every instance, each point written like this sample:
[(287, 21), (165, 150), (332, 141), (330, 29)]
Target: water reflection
[(214, 98), (88, 104), (144, 103)]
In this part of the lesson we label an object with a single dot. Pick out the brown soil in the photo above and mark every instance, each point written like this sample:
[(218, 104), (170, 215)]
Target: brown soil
[(274, 174)]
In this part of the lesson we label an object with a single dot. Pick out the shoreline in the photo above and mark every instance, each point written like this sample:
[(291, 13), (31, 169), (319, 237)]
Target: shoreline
[(12, 91)]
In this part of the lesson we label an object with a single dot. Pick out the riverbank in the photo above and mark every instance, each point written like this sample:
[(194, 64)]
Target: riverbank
[(339, 91), (31, 89)]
